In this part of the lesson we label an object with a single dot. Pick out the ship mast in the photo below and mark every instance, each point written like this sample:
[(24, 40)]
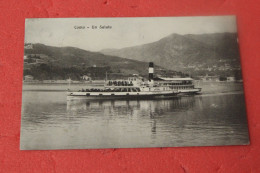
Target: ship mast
[(69, 83), (150, 71)]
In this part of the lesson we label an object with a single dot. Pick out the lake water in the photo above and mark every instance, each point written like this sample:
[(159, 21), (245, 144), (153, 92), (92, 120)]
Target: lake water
[(49, 121)]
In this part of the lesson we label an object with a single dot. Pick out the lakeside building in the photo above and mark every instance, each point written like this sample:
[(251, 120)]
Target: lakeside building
[(87, 78), (231, 79), (209, 78), (28, 78)]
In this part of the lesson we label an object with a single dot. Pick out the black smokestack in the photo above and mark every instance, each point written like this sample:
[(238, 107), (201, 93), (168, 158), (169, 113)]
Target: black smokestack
[(150, 70)]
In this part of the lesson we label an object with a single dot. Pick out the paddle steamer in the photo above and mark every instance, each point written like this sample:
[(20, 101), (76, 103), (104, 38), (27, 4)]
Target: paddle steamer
[(133, 88)]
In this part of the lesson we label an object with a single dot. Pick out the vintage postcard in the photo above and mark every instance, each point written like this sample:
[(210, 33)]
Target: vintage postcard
[(132, 82)]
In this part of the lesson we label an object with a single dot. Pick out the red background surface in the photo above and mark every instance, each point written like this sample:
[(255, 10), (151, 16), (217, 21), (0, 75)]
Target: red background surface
[(190, 159)]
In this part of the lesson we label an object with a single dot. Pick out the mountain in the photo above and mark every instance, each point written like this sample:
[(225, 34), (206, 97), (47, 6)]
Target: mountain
[(48, 62), (197, 54)]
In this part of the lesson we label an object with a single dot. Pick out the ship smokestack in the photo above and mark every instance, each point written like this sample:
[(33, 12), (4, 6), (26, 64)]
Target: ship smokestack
[(151, 71)]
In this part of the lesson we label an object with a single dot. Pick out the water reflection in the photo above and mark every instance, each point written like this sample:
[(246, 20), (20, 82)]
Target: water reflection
[(181, 121), (154, 106), (131, 108)]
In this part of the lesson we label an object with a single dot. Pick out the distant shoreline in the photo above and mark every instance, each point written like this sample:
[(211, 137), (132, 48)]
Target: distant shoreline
[(62, 82), (103, 81), (208, 87)]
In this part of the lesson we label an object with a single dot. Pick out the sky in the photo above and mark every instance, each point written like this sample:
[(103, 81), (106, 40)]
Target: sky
[(124, 32)]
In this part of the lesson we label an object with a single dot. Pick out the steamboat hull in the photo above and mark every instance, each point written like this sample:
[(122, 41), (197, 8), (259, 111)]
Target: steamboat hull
[(119, 96)]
